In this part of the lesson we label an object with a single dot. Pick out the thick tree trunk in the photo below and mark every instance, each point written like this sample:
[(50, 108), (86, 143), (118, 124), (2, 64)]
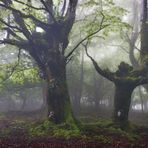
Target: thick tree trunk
[(58, 99), (122, 101), (144, 32)]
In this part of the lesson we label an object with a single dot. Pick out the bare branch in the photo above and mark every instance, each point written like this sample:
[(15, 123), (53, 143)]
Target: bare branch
[(69, 59), (105, 73)]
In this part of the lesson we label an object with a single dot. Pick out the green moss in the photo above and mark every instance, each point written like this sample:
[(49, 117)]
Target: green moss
[(104, 123), (69, 117), (47, 128), (5, 133), (127, 133), (102, 128), (41, 129), (66, 133), (103, 139), (102, 131), (145, 59)]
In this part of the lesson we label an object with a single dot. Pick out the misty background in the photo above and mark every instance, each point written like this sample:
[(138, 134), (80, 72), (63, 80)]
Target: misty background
[(91, 95)]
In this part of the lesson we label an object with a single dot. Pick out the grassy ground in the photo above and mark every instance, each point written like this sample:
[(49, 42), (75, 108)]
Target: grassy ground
[(27, 132)]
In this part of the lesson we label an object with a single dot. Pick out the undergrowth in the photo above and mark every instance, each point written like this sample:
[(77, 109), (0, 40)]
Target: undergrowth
[(103, 131), (98, 131), (47, 128)]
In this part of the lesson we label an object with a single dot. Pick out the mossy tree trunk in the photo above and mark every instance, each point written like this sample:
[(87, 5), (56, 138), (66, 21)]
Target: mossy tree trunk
[(58, 99), (47, 48), (122, 101)]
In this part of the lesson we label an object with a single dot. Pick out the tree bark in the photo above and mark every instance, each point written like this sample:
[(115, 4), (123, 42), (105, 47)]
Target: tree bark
[(122, 101), (144, 32), (58, 99)]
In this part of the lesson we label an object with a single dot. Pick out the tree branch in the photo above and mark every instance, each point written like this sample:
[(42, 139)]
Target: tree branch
[(14, 67), (87, 37), (132, 42), (20, 2), (20, 44), (8, 25), (63, 8), (20, 15), (48, 5), (11, 32), (70, 16), (105, 73)]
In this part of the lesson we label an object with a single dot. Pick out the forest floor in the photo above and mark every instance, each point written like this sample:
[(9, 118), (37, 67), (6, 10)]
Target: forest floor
[(14, 134)]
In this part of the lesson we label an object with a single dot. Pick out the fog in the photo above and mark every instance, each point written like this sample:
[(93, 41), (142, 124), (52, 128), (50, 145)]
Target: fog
[(91, 94)]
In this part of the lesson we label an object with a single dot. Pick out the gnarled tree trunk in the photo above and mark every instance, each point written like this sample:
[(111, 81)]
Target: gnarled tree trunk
[(122, 101), (58, 99)]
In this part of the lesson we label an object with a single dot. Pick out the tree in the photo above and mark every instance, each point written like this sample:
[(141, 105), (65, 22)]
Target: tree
[(126, 79), (47, 48), (77, 82)]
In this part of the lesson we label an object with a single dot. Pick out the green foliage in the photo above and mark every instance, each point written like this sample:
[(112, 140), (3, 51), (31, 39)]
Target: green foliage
[(41, 130), (66, 133), (91, 3), (4, 133), (22, 77), (90, 132), (104, 123), (17, 74), (111, 13), (102, 133), (28, 11)]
